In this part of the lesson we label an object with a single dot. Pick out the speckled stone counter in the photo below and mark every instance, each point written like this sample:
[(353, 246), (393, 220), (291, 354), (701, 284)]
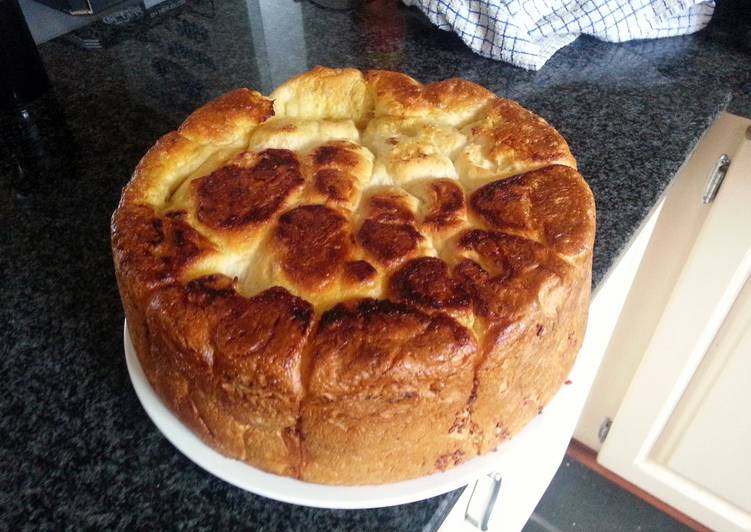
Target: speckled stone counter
[(76, 448)]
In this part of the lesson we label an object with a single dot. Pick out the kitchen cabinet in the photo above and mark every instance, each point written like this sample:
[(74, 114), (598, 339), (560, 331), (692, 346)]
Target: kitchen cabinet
[(683, 431)]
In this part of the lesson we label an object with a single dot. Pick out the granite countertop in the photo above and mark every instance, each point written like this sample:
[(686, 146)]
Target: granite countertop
[(77, 449)]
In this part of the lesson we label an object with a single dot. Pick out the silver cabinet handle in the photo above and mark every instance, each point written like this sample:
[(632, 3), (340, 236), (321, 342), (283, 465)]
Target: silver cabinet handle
[(716, 177), (490, 504)]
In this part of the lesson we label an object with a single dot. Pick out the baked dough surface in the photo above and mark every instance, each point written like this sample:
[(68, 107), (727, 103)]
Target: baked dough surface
[(360, 279)]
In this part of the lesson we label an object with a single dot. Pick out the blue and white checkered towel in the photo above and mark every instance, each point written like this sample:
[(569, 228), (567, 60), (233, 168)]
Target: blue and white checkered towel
[(527, 33)]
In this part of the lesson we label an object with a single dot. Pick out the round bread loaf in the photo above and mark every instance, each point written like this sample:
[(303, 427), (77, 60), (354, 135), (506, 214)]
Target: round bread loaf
[(360, 279)]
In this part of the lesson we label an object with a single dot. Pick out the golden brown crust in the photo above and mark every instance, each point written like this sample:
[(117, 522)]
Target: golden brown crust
[(160, 169), (408, 360), (224, 119), (512, 274), (389, 206), (509, 129), (338, 169), (248, 192), (508, 140), (230, 366), (359, 271), (553, 205), (334, 185), (151, 250), (389, 243), (452, 101), (375, 345), (312, 243), (445, 207), (524, 364), (364, 280), (426, 283)]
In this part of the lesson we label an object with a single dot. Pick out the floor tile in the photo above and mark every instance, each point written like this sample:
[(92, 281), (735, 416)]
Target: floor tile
[(579, 499)]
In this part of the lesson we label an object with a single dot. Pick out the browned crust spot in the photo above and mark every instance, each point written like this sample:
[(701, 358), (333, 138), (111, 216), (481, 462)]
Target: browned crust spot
[(370, 346), (312, 243), (359, 272), (552, 204), (425, 282), (236, 196), (510, 255), (334, 184), (260, 339), (241, 341), (334, 167), (388, 243), (514, 272), (448, 460), (154, 250), (339, 155), (445, 204), (388, 207)]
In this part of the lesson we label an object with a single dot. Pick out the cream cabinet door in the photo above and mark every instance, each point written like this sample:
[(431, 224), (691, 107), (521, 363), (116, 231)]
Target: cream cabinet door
[(683, 430)]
